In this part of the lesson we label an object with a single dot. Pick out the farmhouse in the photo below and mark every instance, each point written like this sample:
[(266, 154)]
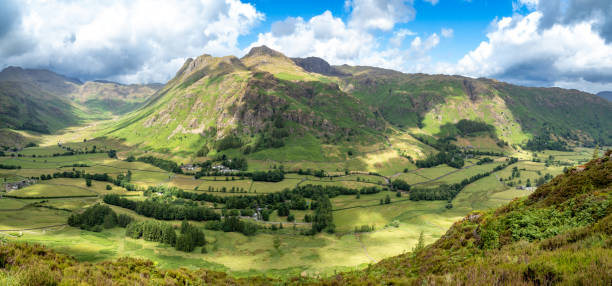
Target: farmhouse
[(18, 185)]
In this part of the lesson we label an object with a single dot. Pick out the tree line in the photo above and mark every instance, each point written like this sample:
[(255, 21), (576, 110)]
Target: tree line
[(163, 164), (163, 211), (121, 179), (271, 200), (190, 236)]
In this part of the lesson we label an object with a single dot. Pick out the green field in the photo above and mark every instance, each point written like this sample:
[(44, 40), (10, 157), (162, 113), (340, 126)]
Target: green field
[(53, 190), (396, 225)]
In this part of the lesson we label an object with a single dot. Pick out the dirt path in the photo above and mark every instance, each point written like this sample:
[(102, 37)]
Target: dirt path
[(34, 228), (365, 249)]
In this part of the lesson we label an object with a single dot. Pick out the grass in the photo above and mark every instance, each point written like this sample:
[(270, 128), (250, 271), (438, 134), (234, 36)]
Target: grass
[(53, 190), (11, 204), (31, 217)]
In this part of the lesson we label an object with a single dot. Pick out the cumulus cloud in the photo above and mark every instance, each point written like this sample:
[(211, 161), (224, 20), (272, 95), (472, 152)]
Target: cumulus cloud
[(338, 42), (447, 32), (569, 12), (379, 14), (559, 55), (129, 41), (399, 36)]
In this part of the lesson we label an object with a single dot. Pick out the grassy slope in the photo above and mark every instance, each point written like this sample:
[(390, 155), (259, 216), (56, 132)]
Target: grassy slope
[(408, 100), (25, 106), (211, 98)]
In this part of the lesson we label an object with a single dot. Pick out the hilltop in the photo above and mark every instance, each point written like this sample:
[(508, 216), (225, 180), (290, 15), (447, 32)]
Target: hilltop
[(605, 95)]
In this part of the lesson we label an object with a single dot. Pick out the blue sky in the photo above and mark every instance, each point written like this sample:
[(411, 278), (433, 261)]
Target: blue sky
[(564, 43), (468, 19)]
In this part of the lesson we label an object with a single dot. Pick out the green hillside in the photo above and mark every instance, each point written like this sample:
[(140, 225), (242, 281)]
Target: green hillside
[(268, 107), (27, 107), (518, 113), (216, 104), (64, 95)]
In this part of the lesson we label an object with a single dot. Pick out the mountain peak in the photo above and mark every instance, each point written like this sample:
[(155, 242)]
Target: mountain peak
[(316, 65), (263, 51)]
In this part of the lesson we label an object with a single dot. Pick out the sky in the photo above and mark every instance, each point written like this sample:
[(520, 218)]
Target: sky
[(564, 43)]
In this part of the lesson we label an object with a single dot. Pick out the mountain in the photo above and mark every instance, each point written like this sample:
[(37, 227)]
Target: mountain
[(317, 65), (44, 101), (98, 96), (269, 106), (605, 95), (560, 235), (260, 102), (26, 106), (517, 113)]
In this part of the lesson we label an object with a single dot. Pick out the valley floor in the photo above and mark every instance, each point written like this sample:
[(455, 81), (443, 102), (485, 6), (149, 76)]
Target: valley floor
[(38, 213)]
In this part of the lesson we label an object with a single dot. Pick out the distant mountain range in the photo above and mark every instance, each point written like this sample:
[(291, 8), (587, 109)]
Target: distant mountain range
[(605, 95), (43, 101), (266, 105), (267, 101)]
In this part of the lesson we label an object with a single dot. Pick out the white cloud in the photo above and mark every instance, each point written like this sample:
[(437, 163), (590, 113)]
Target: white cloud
[(518, 51), (380, 14), (337, 42), (433, 2), (130, 41), (399, 36), (447, 32)]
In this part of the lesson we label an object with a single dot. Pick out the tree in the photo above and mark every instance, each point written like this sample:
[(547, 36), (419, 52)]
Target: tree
[(400, 184), (420, 244), (398, 194), (88, 182), (323, 215), (291, 218), (108, 187), (276, 243), (596, 152), (387, 199)]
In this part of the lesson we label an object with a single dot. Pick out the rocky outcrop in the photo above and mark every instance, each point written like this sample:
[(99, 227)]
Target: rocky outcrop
[(317, 65)]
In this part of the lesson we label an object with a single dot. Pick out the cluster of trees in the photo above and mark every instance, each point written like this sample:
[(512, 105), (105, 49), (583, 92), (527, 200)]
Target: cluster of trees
[(323, 219), (448, 192), (121, 179), (484, 161), (163, 164), (228, 142), (190, 236), (544, 142), (485, 153), (451, 158), (269, 176), (9, 167), (399, 184), (364, 228), (233, 224), (469, 127), (163, 211), (316, 173), (273, 137), (97, 217)]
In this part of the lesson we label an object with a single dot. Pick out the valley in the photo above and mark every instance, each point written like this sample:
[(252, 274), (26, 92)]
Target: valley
[(286, 167)]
